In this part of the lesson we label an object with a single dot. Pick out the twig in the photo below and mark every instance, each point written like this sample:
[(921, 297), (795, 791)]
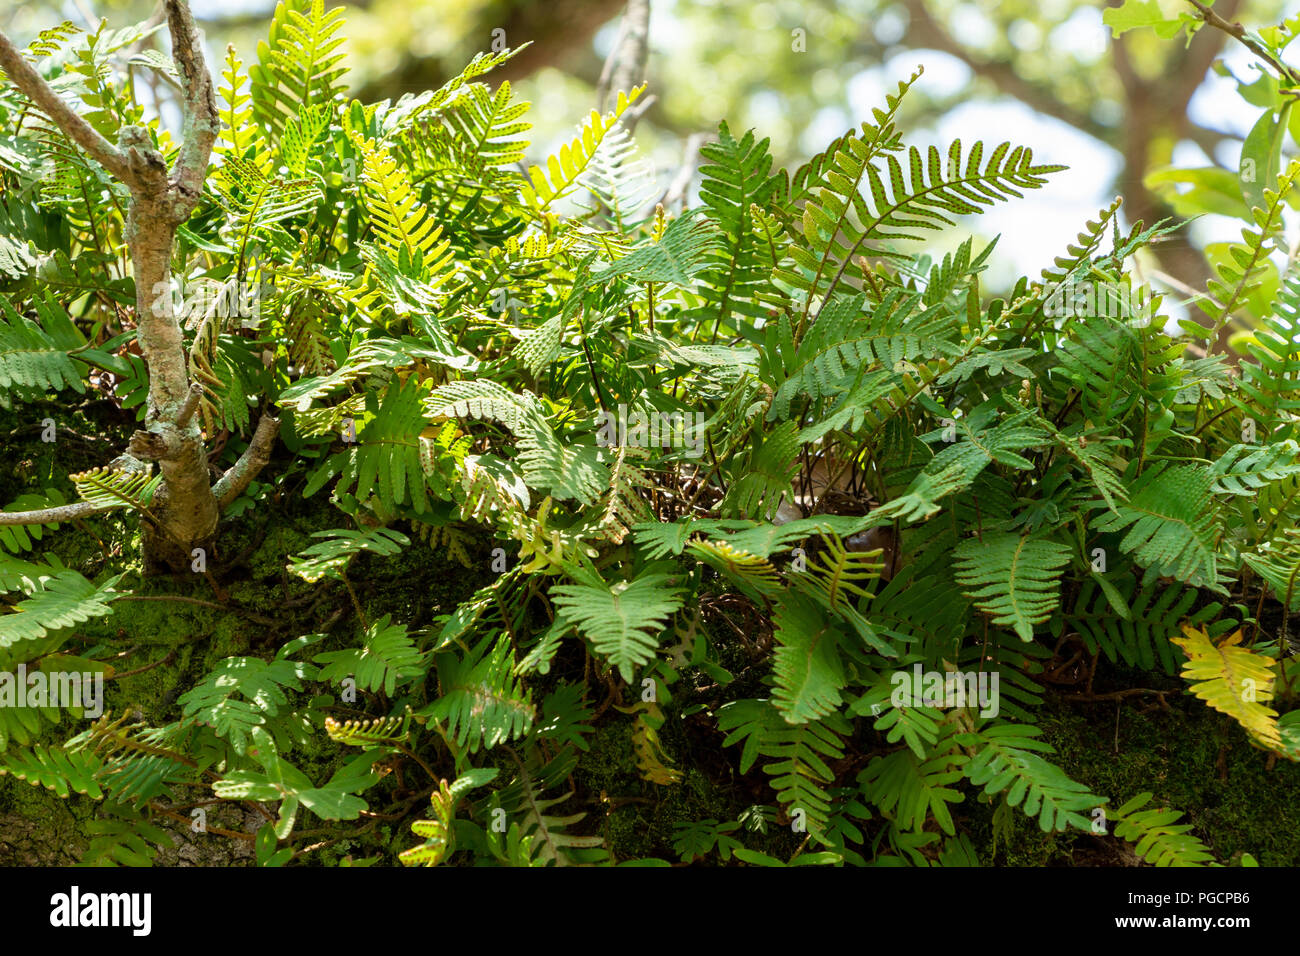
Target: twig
[(255, 457), (1238, 32)]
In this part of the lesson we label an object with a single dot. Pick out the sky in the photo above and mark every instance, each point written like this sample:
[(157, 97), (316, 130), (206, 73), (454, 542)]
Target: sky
[(1032, 231)]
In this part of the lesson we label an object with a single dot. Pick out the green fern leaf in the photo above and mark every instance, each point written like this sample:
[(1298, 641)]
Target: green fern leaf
[(1015, 579)]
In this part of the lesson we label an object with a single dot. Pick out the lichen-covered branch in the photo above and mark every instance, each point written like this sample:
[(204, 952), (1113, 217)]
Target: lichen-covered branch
[(161, 199), (80, 509), (202, 123), (625, 67), (232, 484), (24, 76)]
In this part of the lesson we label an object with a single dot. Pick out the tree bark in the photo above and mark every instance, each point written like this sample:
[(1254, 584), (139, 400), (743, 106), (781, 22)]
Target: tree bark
[(186, 506)]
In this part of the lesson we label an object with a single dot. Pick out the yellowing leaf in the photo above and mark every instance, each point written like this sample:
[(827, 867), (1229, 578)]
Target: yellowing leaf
[(1233, 680)]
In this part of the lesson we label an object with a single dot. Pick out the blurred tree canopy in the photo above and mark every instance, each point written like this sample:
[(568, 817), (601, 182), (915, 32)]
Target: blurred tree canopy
[(785, 66)]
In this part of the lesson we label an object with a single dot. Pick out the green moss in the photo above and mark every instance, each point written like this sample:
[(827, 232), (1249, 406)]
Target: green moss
[(1189, 758)]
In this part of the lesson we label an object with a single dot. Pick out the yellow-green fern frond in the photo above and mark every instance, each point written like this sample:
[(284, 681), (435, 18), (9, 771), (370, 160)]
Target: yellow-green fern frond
[(1234, 680)]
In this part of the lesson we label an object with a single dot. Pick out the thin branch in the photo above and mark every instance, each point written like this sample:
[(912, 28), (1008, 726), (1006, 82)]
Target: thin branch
[(625, 67), (202, 123), (191, 405), (1237, 31), (232, 484), (80, 509), (677, 189), (34, 86)]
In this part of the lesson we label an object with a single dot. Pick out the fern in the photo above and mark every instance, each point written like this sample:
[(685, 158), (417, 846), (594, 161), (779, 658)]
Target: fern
[(1269, 386), (387, 655), (1012, 577), (798, 754), (59, 600), (563, 169), (31, 357), (1159, 838), (108, 488), (216, 700), (842, 223), (553, 844), (1008, 760), (377, 732), (1170, 522), (331, 556), (621, 620), (911, 790), (807, 668), (55, 769), (298, 64), (1243, 270), (736, 179), (482, 699), (1233, 680)]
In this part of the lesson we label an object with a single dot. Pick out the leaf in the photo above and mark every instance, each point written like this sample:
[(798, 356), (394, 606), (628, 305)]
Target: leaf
[(1233, 680), (623, 620), (387, 655), (1014, 578)]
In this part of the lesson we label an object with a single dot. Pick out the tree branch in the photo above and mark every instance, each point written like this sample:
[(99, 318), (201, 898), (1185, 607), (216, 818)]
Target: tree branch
[(34, 86), (625, 66), (232, 484), (1237, 31), (54, 515), (202, 123), (924, 31)]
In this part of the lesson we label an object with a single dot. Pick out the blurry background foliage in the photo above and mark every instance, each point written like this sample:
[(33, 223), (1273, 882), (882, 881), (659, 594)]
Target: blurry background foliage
[(1047, 73)]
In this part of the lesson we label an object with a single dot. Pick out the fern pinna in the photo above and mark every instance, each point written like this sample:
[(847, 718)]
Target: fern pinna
[(759, 475)]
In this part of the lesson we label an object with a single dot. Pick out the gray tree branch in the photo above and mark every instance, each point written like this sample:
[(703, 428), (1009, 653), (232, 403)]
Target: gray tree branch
[(232, 484), (34, 86), (80, 509)]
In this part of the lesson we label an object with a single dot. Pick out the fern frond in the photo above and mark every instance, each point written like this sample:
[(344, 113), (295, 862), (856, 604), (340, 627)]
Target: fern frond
[(376, 732), (1245, 469), (108, 488), (62, 599), (842, 224), (31, 357), (387, 656), (806, 664), (339, 547), (1171, 524), (1014, 578), (1159, 838), (385, 461), (623, 620), (261, 684), (799, 754), (483, 700), (65, 772), (910, 790), (298, 64), (1269, 386), (1007, 760), (563, 169), (1233, 680), (1243, 270)]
